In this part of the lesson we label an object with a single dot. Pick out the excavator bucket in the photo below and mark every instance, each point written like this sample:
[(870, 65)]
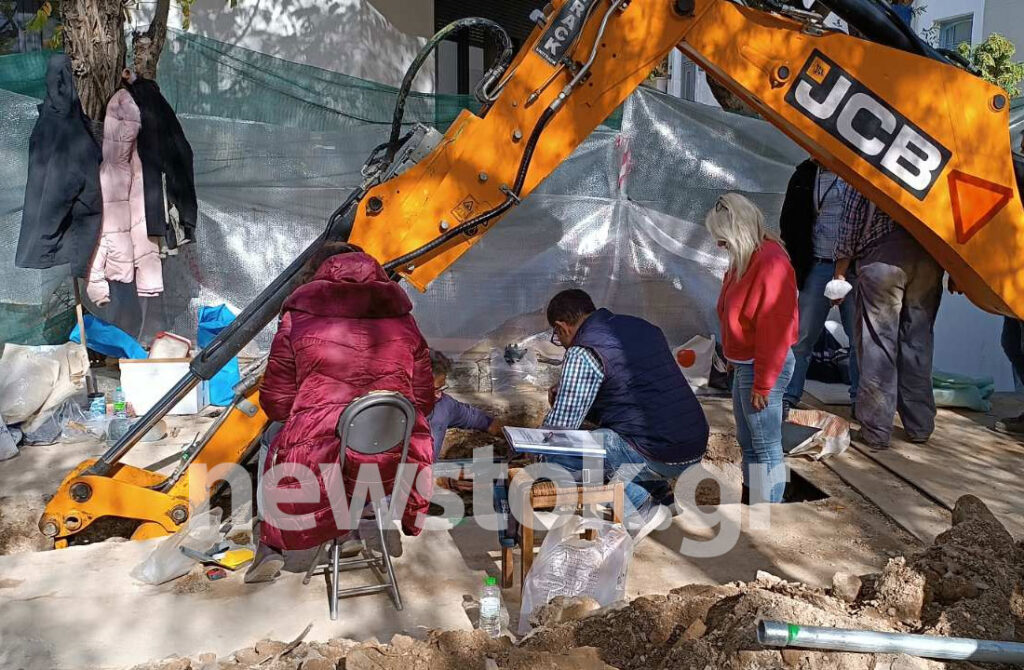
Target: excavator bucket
[(160, 504)]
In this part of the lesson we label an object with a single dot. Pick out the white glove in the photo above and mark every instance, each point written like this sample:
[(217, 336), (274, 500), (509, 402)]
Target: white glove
[(837, 289)]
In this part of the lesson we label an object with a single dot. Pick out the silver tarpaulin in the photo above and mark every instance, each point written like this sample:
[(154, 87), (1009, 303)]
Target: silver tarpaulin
[(621, 218)]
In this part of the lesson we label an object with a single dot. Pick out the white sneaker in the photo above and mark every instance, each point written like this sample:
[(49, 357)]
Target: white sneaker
[(659, 519)]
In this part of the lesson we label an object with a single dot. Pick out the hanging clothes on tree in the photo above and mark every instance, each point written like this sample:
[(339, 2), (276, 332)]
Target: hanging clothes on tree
[(168, 178), (61, 220), (125, 252)]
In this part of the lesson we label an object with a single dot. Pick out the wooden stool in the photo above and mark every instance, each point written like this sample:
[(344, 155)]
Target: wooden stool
[(545, 495)]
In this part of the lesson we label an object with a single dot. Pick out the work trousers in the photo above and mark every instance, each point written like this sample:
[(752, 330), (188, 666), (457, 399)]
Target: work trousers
[(899, 288), (1013, 347)]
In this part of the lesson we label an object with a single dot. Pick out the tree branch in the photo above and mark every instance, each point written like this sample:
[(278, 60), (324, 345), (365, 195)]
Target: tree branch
[(150, 44)]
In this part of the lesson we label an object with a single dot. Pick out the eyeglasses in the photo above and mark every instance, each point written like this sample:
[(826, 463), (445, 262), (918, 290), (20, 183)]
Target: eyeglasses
[(440, 389), (721, 205), (555, 340)]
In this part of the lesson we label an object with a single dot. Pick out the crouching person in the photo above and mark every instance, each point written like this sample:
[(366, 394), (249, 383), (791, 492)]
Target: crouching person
[(344, 333), (449, 412), (619, 374)]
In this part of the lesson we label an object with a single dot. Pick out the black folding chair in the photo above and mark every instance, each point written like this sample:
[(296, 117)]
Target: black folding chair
[(372, 424)]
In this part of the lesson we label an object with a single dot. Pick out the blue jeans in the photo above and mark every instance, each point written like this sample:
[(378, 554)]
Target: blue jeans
[(814, 309), (760, 433), (647, 482)]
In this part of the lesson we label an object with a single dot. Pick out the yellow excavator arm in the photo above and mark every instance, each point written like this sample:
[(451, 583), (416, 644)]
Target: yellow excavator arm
[(926, 140)]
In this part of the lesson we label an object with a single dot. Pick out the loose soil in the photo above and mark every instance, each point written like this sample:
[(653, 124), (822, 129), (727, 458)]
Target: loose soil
[(969, 583), (19, 532)]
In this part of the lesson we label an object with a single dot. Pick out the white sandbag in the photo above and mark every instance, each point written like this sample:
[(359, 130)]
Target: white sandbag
[(695, 358), (35, 381), (8, 446), (569, 565)]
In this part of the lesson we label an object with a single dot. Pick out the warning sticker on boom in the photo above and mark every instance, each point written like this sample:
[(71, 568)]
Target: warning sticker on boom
[(466, 209)]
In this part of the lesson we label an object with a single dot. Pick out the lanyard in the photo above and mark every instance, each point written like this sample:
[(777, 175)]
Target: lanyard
[(820, 202)]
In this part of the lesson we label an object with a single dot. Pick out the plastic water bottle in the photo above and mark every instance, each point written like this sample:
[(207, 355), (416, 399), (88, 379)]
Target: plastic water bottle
[(490, 608), (120, 406)]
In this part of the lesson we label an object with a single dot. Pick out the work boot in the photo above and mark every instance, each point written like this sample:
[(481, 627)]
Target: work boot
[(858, 436), (392, 537), (1011, 426), (266, 565)]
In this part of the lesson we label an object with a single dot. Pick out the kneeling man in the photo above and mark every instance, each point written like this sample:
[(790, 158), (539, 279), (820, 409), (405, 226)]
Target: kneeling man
[(619, 374)]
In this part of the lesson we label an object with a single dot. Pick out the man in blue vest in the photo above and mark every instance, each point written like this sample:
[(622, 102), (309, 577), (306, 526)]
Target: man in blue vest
[(619, 374)]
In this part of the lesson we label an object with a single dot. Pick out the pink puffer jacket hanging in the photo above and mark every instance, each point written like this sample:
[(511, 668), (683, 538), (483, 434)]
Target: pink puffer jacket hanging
[(125, 253)]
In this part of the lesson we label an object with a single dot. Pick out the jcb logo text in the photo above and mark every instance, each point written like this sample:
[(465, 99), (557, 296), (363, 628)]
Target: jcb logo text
[(864, 122)]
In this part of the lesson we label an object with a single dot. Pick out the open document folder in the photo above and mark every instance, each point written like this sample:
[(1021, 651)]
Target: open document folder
[(554, 442)]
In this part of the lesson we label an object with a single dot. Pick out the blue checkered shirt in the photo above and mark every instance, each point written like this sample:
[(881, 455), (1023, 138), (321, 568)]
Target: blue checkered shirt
[(582, 377), (856, 233), (829, 189)]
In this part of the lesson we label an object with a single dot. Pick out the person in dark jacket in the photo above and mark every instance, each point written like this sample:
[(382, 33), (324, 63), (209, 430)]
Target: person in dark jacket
[(1013, 332), (449, 412), (810, 220), (347, 332), (63, 212), (619, 374), (167, 169)]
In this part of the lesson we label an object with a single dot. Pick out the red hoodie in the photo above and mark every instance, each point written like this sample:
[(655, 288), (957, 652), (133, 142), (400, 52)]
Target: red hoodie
[(347, 332), (758, 314)]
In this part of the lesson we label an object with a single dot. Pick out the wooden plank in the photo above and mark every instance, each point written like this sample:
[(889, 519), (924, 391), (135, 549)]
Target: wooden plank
[(907, 507), (963, 456)]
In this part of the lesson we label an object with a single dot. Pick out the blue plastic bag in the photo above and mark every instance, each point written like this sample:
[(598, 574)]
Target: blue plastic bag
[(212, 320), (107, 339)]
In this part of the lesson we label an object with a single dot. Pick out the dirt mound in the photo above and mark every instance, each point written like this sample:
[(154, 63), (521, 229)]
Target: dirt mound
[(19, 532), (970, 583)]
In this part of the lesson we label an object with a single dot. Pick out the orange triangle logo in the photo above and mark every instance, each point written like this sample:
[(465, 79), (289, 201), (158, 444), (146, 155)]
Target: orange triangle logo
[(975, 202)]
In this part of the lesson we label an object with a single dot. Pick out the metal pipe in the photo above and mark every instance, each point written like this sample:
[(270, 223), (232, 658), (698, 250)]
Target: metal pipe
[(778, 634), (112, 455)]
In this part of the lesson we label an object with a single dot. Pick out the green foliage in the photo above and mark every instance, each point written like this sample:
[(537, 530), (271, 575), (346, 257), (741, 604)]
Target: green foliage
[(38, 21), (7, 9), (994, 61)]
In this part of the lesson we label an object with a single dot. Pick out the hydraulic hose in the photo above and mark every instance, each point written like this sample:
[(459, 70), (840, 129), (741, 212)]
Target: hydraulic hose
[(511, 199), (778, 634), (879, 23), (492, 75), (514, 194)]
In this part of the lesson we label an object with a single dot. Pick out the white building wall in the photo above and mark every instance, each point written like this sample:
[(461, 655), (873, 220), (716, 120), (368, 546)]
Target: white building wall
[(936, 11), (1006, 17), (370, 39)]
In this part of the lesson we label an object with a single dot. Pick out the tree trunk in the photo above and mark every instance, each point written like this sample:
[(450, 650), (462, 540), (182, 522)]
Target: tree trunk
[(150, 44), (94, 40)]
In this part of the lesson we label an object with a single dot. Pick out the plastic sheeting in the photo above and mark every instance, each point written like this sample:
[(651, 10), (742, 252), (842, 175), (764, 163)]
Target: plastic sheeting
[(612, 220), (621, 218)]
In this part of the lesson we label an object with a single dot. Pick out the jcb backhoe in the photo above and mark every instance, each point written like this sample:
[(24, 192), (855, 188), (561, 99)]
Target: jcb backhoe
[(910, 127)]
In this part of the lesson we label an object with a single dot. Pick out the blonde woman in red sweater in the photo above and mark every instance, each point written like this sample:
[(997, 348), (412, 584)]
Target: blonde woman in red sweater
[(759, 321)]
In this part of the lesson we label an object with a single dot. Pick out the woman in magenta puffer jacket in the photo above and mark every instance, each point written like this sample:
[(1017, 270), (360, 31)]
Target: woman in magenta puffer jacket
[(346, 332)]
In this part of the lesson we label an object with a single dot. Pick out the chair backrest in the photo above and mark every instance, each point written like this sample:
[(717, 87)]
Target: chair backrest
[(377, 422)]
